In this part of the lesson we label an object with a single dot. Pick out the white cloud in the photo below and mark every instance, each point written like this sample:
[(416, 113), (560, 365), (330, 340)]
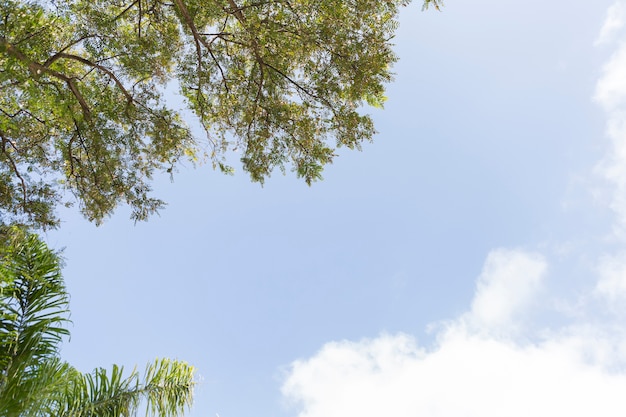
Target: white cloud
[(464, 376), (612, 280), (611, 88), (613, 168), (482, 363), (469, 372), (613, 23), (611, 95), (505, 287)]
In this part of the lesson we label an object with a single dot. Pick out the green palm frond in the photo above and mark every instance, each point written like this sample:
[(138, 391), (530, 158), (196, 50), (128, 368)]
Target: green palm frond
[(165, 390), (32, 392), (34, 382), (33, 309), (33, 300)]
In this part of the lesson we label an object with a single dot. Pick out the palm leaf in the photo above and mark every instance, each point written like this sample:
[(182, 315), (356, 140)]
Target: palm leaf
[(34, 382), (33, 308), (166, 390), (33, 301), (32, 392)]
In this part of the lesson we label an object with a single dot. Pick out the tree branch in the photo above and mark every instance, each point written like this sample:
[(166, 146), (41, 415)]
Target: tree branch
[(89, 63), (14, 166), (37, 69), (198, 39)]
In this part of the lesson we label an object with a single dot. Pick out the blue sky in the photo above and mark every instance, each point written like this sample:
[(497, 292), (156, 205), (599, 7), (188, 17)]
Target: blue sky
[(469, 262)]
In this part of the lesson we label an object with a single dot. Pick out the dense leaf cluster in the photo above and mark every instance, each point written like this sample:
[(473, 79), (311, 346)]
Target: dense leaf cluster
[(82, 81)]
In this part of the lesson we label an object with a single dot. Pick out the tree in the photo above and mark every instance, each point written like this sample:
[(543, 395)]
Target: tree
[(82, 107), (34, 381)]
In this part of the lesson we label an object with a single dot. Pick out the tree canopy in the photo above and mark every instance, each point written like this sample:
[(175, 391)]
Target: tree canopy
[(83, 108), (34, 381)]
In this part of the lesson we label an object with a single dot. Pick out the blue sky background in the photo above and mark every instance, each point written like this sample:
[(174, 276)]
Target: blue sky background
[(486, 214)]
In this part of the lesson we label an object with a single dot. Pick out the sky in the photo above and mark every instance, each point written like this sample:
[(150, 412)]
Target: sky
[(471, 261)]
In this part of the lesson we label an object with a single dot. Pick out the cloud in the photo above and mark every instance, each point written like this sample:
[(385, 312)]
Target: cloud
[(611, 88), (613, 23), (613, 168), (611, 284), (610, 93), (465, 376), (492, 360), (506, 286), (469, 372)]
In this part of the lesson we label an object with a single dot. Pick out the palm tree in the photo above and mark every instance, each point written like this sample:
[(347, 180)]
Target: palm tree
[(34, 381)]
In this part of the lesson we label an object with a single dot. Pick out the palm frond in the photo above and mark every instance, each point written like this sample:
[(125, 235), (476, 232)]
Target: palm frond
[(31, 392), (166, 390), (33, 303), (33, 309), (34, 382)]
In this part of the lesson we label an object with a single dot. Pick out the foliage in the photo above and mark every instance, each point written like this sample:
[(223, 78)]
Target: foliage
[(34, 381), (437, 4), (82, 81)]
